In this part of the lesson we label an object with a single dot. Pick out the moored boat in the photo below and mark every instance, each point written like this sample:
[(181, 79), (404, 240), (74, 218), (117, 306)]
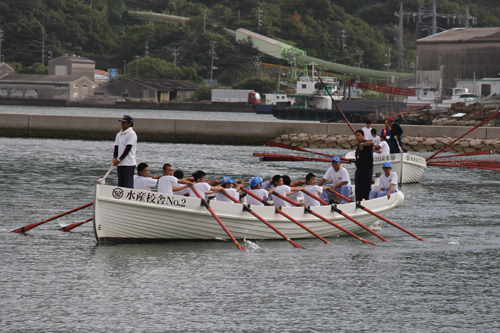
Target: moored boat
[(124, 215), (412, 167)]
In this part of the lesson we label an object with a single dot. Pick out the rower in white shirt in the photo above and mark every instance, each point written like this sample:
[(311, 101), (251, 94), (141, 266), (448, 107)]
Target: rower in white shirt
[(142, 181)]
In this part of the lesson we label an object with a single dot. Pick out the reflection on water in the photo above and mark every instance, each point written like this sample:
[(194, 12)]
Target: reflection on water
[(62, 282)]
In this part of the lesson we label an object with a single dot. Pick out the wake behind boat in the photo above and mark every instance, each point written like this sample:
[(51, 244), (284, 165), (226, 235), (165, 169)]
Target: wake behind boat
[(123, 215)]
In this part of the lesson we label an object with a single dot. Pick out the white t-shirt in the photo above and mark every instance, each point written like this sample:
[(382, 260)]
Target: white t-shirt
[(376, 140), (316, 190), (338, 176), (283, 190), (123, 140), (368, 133), (385, 182), (144, 183), (201, 188), (166, 183), (384, 149), (295, 196), (261, 193), (231, 191)]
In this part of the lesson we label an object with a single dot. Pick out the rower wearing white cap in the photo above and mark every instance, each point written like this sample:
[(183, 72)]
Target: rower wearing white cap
[(228, 184), (388, 183), (340, 177)]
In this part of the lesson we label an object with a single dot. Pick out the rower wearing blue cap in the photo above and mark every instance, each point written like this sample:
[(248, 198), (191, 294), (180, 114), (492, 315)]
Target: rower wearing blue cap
[(340, 178), (255, 187), (388, 183), (228, 184)]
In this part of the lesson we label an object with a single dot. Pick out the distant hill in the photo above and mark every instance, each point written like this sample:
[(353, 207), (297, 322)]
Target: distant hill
[(102, 30)]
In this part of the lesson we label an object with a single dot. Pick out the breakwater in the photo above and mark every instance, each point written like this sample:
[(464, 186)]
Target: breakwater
[(202, 130), (410, 143)]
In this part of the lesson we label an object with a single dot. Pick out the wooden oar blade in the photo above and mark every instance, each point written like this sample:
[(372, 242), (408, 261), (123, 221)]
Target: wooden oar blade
[(28, 227)]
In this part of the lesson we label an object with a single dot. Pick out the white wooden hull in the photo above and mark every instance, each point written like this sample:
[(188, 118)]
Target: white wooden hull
[(413, 167), (125, 215)]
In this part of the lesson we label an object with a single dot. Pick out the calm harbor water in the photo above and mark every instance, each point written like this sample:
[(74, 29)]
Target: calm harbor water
[(54, 281)]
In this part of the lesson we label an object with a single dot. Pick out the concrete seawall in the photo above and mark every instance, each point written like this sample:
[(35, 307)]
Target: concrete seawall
[(198, 131)]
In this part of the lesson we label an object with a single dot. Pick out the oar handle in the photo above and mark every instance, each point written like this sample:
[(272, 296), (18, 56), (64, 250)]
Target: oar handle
[(256, 197), (229, 196)]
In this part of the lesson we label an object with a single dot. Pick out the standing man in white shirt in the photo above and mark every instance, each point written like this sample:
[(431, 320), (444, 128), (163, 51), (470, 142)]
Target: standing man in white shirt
[(368, 130), (124, 152), (341, 180)]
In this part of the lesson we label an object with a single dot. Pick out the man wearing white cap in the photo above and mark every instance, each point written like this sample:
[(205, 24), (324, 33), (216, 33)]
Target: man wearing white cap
[(340, 177), (388, 183), (124, 152)]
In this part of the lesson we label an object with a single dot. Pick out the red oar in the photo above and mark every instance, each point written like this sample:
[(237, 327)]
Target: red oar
[(34, 225), (378, 216), (205, 204), (344, 214), (289, 158), (486, 152), (248, 209), (333, 100), (270, 143), (74, 225), (286, 215), (322, 218), (449, 144), (459, 161)]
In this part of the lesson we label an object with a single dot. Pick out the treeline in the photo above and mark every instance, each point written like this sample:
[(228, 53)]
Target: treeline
[(103, 31)]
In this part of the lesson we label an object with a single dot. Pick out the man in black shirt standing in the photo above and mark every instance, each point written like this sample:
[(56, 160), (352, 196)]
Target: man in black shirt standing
[(395, 136), (364, 166)]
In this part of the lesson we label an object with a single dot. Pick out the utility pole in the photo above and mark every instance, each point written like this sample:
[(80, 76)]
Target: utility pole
[(388, 64), (124, 67), (259, 21), (400, 15), (359, 53), (43, 39), (256, 60), (146, 52), (137, 67), (213, 57), (291, 57), (175, 54), (343, 35), (205, 15), (422, 26), (1, 40)]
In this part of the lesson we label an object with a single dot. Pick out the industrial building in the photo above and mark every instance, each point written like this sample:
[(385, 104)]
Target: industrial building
[(153, 90), (446, 59), (70, 78)]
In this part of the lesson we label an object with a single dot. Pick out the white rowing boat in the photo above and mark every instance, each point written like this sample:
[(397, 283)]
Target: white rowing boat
[(412, 168), (126, 215)]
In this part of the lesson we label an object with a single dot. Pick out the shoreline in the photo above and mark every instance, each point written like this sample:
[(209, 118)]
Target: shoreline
[(410, 143)]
